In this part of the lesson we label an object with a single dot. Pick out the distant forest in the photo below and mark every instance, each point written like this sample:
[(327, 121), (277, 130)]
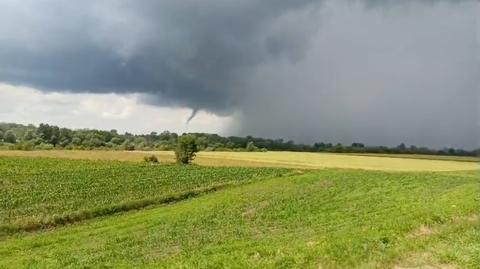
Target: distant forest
[(44, 137)]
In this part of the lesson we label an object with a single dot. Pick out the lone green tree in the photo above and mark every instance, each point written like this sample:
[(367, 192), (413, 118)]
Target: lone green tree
[(186, 149)]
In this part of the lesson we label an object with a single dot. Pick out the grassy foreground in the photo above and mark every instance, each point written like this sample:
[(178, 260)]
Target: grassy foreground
[(39, 192), (325, 219), (307, 160)]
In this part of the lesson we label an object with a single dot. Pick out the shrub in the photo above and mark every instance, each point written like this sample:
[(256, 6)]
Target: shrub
[(128, 146), (6, 146), (25, 145), (44, 146), (251, 147), (151, 159)]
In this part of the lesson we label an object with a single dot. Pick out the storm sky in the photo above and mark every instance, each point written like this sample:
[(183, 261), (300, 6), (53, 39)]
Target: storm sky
[(371, 71)]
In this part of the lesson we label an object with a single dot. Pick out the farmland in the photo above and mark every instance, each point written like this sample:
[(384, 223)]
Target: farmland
[(109, 209), (42, 192), (278, 159)]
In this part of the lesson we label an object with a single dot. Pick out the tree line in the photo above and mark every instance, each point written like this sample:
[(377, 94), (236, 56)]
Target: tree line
[(43, 137)]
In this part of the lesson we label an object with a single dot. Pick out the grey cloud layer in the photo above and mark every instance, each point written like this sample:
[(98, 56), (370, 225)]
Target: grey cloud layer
[(192, 53), (380, 72)]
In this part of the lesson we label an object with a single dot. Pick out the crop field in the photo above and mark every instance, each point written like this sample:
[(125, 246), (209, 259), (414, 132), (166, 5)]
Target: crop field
[(328, 160), (118, 212), (46, 192), (422, 157), (307, 160)]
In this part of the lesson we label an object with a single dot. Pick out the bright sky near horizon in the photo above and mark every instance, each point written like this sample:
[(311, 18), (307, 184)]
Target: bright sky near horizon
[(124, 113)]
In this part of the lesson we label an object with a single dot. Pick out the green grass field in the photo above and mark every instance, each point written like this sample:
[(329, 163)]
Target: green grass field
[(112, 214)]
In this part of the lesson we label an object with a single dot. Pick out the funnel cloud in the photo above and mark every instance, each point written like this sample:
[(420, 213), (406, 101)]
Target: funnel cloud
[(194, 113), (370, 71)]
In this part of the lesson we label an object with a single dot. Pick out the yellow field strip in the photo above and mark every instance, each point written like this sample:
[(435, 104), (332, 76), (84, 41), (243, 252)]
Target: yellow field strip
[(283, 159)]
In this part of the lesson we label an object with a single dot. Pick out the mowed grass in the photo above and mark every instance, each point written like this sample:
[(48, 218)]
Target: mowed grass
[(307, 160), (325, 219), (38, 192)]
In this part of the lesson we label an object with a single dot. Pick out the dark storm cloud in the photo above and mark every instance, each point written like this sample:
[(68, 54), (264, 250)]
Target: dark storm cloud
[(382, 76), (193, 53), (379, 72)]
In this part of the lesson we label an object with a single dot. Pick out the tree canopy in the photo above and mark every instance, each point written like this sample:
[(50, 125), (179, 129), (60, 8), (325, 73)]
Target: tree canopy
[(45, 136)]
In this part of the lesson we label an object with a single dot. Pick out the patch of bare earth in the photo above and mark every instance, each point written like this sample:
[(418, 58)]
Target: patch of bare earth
[(422, 261), (324, 184), (422, 231), (442, 266), (156, 254), (473, 218), (252, 211)]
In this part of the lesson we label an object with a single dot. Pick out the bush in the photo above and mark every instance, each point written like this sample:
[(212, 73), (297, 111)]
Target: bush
[(44, 146), (151, 159), (186, 149), (6, 146), (128, 146), (251, 147), (24, 145)]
